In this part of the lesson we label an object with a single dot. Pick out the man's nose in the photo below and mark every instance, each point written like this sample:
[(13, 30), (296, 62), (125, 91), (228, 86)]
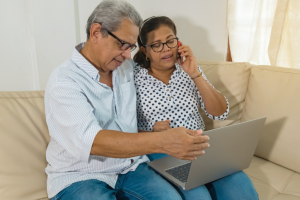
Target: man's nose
[(127, 54)]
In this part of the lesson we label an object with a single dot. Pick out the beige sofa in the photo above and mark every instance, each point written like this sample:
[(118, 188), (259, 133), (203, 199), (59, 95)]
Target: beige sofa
[(253, 91)]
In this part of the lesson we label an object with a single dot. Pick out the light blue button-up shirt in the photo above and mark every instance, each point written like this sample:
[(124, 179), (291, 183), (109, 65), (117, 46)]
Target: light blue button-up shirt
[(77, 107)]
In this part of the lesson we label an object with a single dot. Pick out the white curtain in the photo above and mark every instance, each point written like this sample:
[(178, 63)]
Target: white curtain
[(265, 32)]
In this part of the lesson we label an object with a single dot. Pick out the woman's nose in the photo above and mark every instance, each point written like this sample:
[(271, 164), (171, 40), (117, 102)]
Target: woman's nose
[(165, 47)]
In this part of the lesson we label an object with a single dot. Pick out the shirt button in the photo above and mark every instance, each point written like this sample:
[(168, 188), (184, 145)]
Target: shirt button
[(170, 97), (167, 90)]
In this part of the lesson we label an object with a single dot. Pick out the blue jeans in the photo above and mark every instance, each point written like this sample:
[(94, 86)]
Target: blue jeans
[(234, 187), (144, 183)]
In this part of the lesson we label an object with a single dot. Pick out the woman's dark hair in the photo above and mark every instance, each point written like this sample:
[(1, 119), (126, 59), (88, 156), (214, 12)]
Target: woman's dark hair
[(150, 24)]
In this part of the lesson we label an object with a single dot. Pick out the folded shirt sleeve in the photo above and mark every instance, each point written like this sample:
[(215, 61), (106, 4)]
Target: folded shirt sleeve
[(71, 121), (221, 117)]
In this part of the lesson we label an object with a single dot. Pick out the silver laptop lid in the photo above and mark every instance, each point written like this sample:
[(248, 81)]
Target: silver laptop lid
[(232, 149)]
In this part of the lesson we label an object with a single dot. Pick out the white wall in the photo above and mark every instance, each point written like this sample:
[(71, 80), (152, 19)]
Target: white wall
[(15, 56), (38, 35), (54, 34), (200, 23)]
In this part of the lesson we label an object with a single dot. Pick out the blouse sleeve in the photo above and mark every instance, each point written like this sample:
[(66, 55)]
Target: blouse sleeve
[(136, 67), (221, 117)]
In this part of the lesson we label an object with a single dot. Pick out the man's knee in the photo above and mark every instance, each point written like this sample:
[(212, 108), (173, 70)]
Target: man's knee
[(149, 184), (89, 189)]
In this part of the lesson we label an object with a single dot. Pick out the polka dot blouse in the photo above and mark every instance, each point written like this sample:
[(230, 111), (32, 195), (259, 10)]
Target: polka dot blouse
[(178, 101)]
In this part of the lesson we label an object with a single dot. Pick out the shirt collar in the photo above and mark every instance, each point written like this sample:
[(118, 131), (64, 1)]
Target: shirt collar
[(143, 72), (83, 64)]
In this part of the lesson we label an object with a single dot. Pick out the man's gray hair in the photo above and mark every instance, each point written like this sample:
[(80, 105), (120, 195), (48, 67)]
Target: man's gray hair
[(110, 14)]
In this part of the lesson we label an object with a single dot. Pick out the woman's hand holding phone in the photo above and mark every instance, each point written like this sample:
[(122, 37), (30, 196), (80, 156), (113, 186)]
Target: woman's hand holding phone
[(189, 65)]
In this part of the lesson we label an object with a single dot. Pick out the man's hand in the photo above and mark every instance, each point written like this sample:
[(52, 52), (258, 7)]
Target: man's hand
[(184, 144), (161, 126)]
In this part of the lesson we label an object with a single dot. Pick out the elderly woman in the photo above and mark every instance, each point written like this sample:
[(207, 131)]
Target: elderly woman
[(169, 93)]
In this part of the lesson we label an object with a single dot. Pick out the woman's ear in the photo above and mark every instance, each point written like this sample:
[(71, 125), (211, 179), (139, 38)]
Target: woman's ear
[(143, 49)]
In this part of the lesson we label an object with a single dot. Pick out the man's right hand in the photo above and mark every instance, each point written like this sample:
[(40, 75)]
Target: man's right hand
[(183, 143)]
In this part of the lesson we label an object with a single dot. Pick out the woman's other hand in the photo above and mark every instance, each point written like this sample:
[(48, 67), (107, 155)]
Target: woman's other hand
[(161, 126), (189, 65)]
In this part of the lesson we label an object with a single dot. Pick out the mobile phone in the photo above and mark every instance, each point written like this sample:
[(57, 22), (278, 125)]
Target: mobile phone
[(181, 58)]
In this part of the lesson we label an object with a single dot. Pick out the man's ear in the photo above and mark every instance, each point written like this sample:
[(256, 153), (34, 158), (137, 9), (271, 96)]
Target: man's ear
[(95, 32)]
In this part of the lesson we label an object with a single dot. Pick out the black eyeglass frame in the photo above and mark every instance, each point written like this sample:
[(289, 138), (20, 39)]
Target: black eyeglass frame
[(163, 44), (132, 47)]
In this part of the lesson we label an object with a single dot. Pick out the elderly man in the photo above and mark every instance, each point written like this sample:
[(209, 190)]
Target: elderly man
[(95, 151)]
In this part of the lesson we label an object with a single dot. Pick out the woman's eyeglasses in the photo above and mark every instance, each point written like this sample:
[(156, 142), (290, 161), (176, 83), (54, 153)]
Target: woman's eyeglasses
[(159, 46)]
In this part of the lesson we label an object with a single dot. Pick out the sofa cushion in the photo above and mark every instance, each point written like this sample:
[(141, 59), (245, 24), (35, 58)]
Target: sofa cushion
[(272, 181), (275, 92), (24, 139), (231, 79)]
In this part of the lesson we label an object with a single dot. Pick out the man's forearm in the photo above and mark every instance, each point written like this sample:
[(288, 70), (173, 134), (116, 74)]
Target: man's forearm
[(117, 144)]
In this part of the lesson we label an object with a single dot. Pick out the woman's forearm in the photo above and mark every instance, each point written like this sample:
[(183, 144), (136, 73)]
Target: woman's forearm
[(215, 103)]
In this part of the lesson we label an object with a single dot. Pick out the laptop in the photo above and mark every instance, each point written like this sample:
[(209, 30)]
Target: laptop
[(231, 150)]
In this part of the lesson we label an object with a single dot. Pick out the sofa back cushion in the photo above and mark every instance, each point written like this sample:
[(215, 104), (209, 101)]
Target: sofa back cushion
[(24, 139), (231, 79), (275, 92)]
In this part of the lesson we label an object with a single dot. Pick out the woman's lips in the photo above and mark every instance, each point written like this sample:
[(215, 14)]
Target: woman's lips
[(167, 57)]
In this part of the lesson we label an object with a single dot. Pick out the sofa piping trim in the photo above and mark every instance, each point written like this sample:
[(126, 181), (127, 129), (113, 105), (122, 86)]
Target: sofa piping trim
[(276, 70)]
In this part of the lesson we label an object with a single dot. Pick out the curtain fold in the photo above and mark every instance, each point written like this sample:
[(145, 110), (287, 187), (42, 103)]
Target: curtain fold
[(265, 32)]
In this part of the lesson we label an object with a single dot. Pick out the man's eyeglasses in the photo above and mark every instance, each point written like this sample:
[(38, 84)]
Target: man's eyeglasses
[(125, 45), (159, 46)]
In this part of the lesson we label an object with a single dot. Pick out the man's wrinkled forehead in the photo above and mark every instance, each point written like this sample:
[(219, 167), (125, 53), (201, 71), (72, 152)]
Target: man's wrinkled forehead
[(128, 31)]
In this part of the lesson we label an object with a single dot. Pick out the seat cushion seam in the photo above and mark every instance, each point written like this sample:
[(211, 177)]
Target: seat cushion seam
[(290, 195), (275, 195), (286, 182), (265, 183)]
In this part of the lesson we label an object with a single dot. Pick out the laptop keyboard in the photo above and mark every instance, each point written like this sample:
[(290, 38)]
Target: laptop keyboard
[(180, 172)]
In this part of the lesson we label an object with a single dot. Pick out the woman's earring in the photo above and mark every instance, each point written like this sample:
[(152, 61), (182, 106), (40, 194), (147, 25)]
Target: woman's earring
[(147, 58)]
